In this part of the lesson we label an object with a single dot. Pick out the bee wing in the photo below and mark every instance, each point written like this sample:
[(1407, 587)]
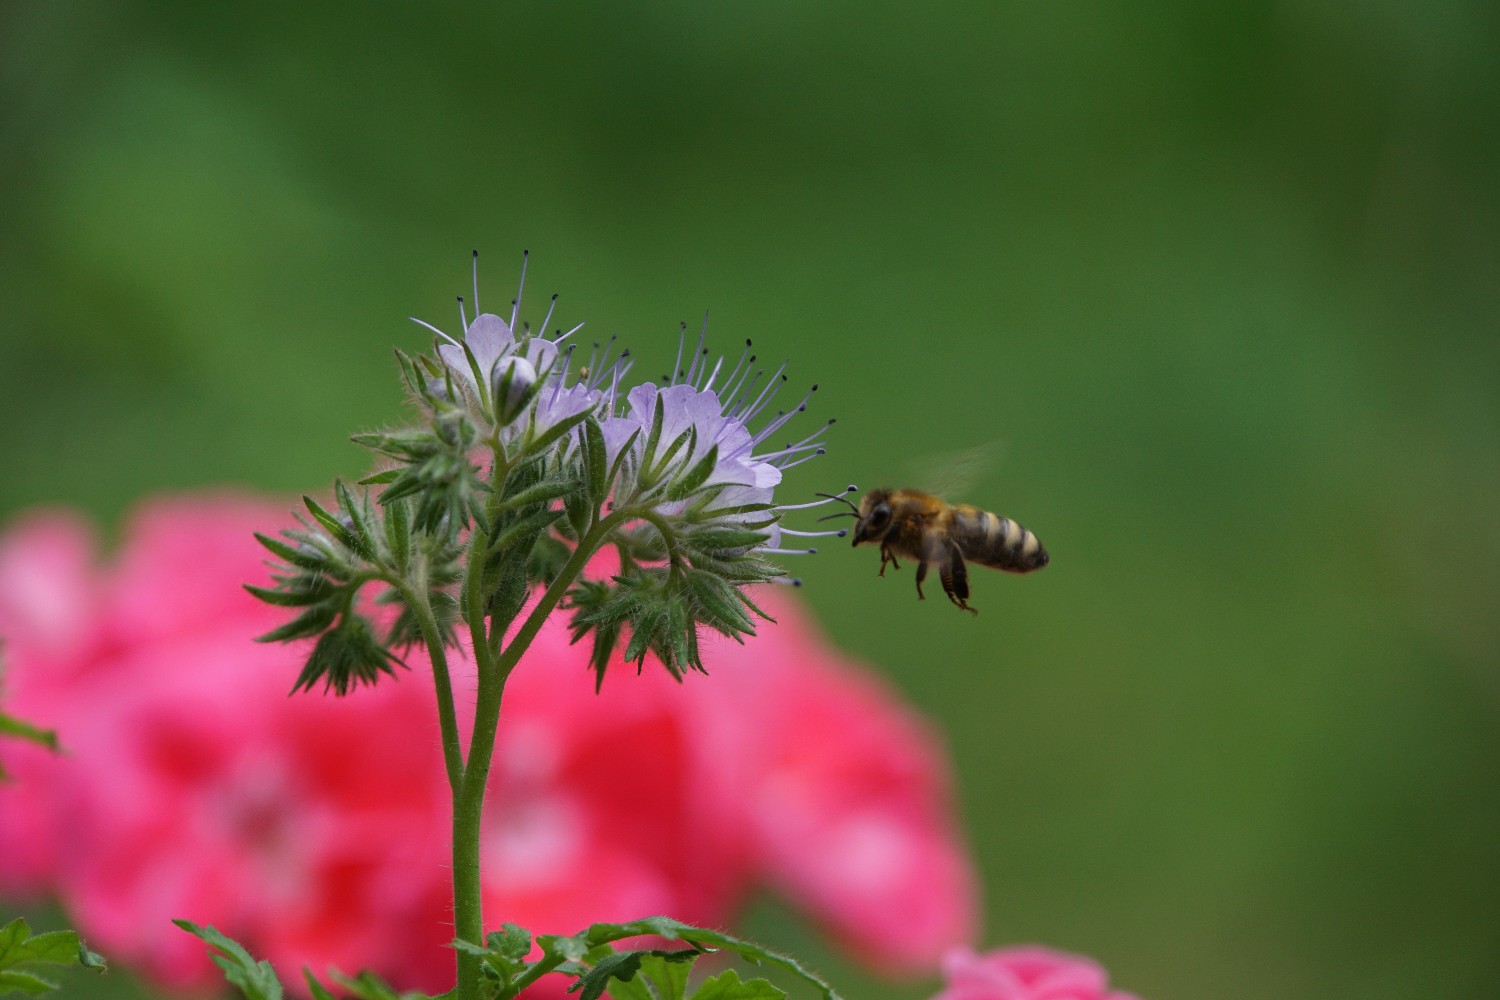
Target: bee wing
[(952, 474)]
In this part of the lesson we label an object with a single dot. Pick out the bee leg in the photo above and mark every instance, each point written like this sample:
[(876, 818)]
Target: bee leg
[(955, 577), (921, 575), (886, 556)]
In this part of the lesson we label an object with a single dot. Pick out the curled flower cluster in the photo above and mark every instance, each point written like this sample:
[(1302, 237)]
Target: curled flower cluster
[(192, 785)]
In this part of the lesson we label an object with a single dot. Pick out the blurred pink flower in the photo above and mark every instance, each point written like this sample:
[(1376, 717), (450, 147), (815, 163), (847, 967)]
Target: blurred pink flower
[(1025, 973), (315, 829)]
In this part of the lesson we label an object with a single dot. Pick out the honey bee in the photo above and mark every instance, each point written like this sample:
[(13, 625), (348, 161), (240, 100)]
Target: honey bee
[(930, 530)]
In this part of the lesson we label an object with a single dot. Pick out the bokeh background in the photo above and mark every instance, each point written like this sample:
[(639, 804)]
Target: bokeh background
[(1217, 285)]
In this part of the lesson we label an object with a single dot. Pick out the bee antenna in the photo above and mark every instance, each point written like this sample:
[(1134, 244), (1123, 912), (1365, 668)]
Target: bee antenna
[(841, 498), (840, 513)]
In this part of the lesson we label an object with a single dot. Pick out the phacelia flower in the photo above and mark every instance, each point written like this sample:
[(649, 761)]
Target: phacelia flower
[(1024, 973), (688, 452), (508, 377)]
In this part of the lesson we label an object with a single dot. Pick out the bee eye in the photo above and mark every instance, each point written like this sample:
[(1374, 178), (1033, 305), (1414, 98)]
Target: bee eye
[(880, 517)]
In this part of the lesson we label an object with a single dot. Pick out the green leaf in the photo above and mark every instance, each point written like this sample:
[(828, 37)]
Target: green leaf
[(15, 981), (667, 972), (12, 726), (317, 989), (623, 967), (702, 938), (369, 986), (256, 980), (727, 986), (511, 941), (18, 947), (331, 524)]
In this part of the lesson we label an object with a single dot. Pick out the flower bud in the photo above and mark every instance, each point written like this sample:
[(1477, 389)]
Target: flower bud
[(510, 386)]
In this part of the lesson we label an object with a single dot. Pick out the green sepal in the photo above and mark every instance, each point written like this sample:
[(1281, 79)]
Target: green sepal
[(518, 532), (722, 539), (695, 477), (256, 980), (398, 534), (342, 534), (614, 469), (381, 478), (717, 600), (346, 656), (597, 460), (306, 625), (293, 555), (537, 493), (687, 439), (556, 431), (653, 437), (299, 592)]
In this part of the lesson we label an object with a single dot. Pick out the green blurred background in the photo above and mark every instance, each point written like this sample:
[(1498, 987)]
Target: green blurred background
[(1219, 283)]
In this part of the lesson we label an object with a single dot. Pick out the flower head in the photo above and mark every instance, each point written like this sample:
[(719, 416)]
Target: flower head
[(692, 478), (504, 376)]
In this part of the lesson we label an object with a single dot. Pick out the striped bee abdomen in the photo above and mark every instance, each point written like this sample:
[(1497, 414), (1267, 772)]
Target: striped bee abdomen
[(995, 541)]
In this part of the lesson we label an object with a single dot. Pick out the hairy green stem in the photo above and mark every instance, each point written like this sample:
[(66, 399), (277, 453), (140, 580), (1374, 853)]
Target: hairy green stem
[(468, 805), (453, 759)]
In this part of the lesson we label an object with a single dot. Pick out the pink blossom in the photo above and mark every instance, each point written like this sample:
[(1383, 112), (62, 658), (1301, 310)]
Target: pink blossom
[(1024, 973), (315, 830)]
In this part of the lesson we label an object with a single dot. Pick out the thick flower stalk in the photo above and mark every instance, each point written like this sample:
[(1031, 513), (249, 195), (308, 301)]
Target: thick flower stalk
[(519, 469)]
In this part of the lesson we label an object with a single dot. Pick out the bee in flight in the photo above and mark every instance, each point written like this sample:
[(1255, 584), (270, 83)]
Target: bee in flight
[(930, 530)]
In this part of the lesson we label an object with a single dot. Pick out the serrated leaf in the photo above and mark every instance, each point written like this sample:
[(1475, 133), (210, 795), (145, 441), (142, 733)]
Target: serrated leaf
[(511, 941), (702, 938), (727, 986), (256, 980), (18, 947), (668, 973)]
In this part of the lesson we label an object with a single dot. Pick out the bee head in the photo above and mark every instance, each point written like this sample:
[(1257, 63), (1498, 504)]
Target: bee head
[(874, 516)]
